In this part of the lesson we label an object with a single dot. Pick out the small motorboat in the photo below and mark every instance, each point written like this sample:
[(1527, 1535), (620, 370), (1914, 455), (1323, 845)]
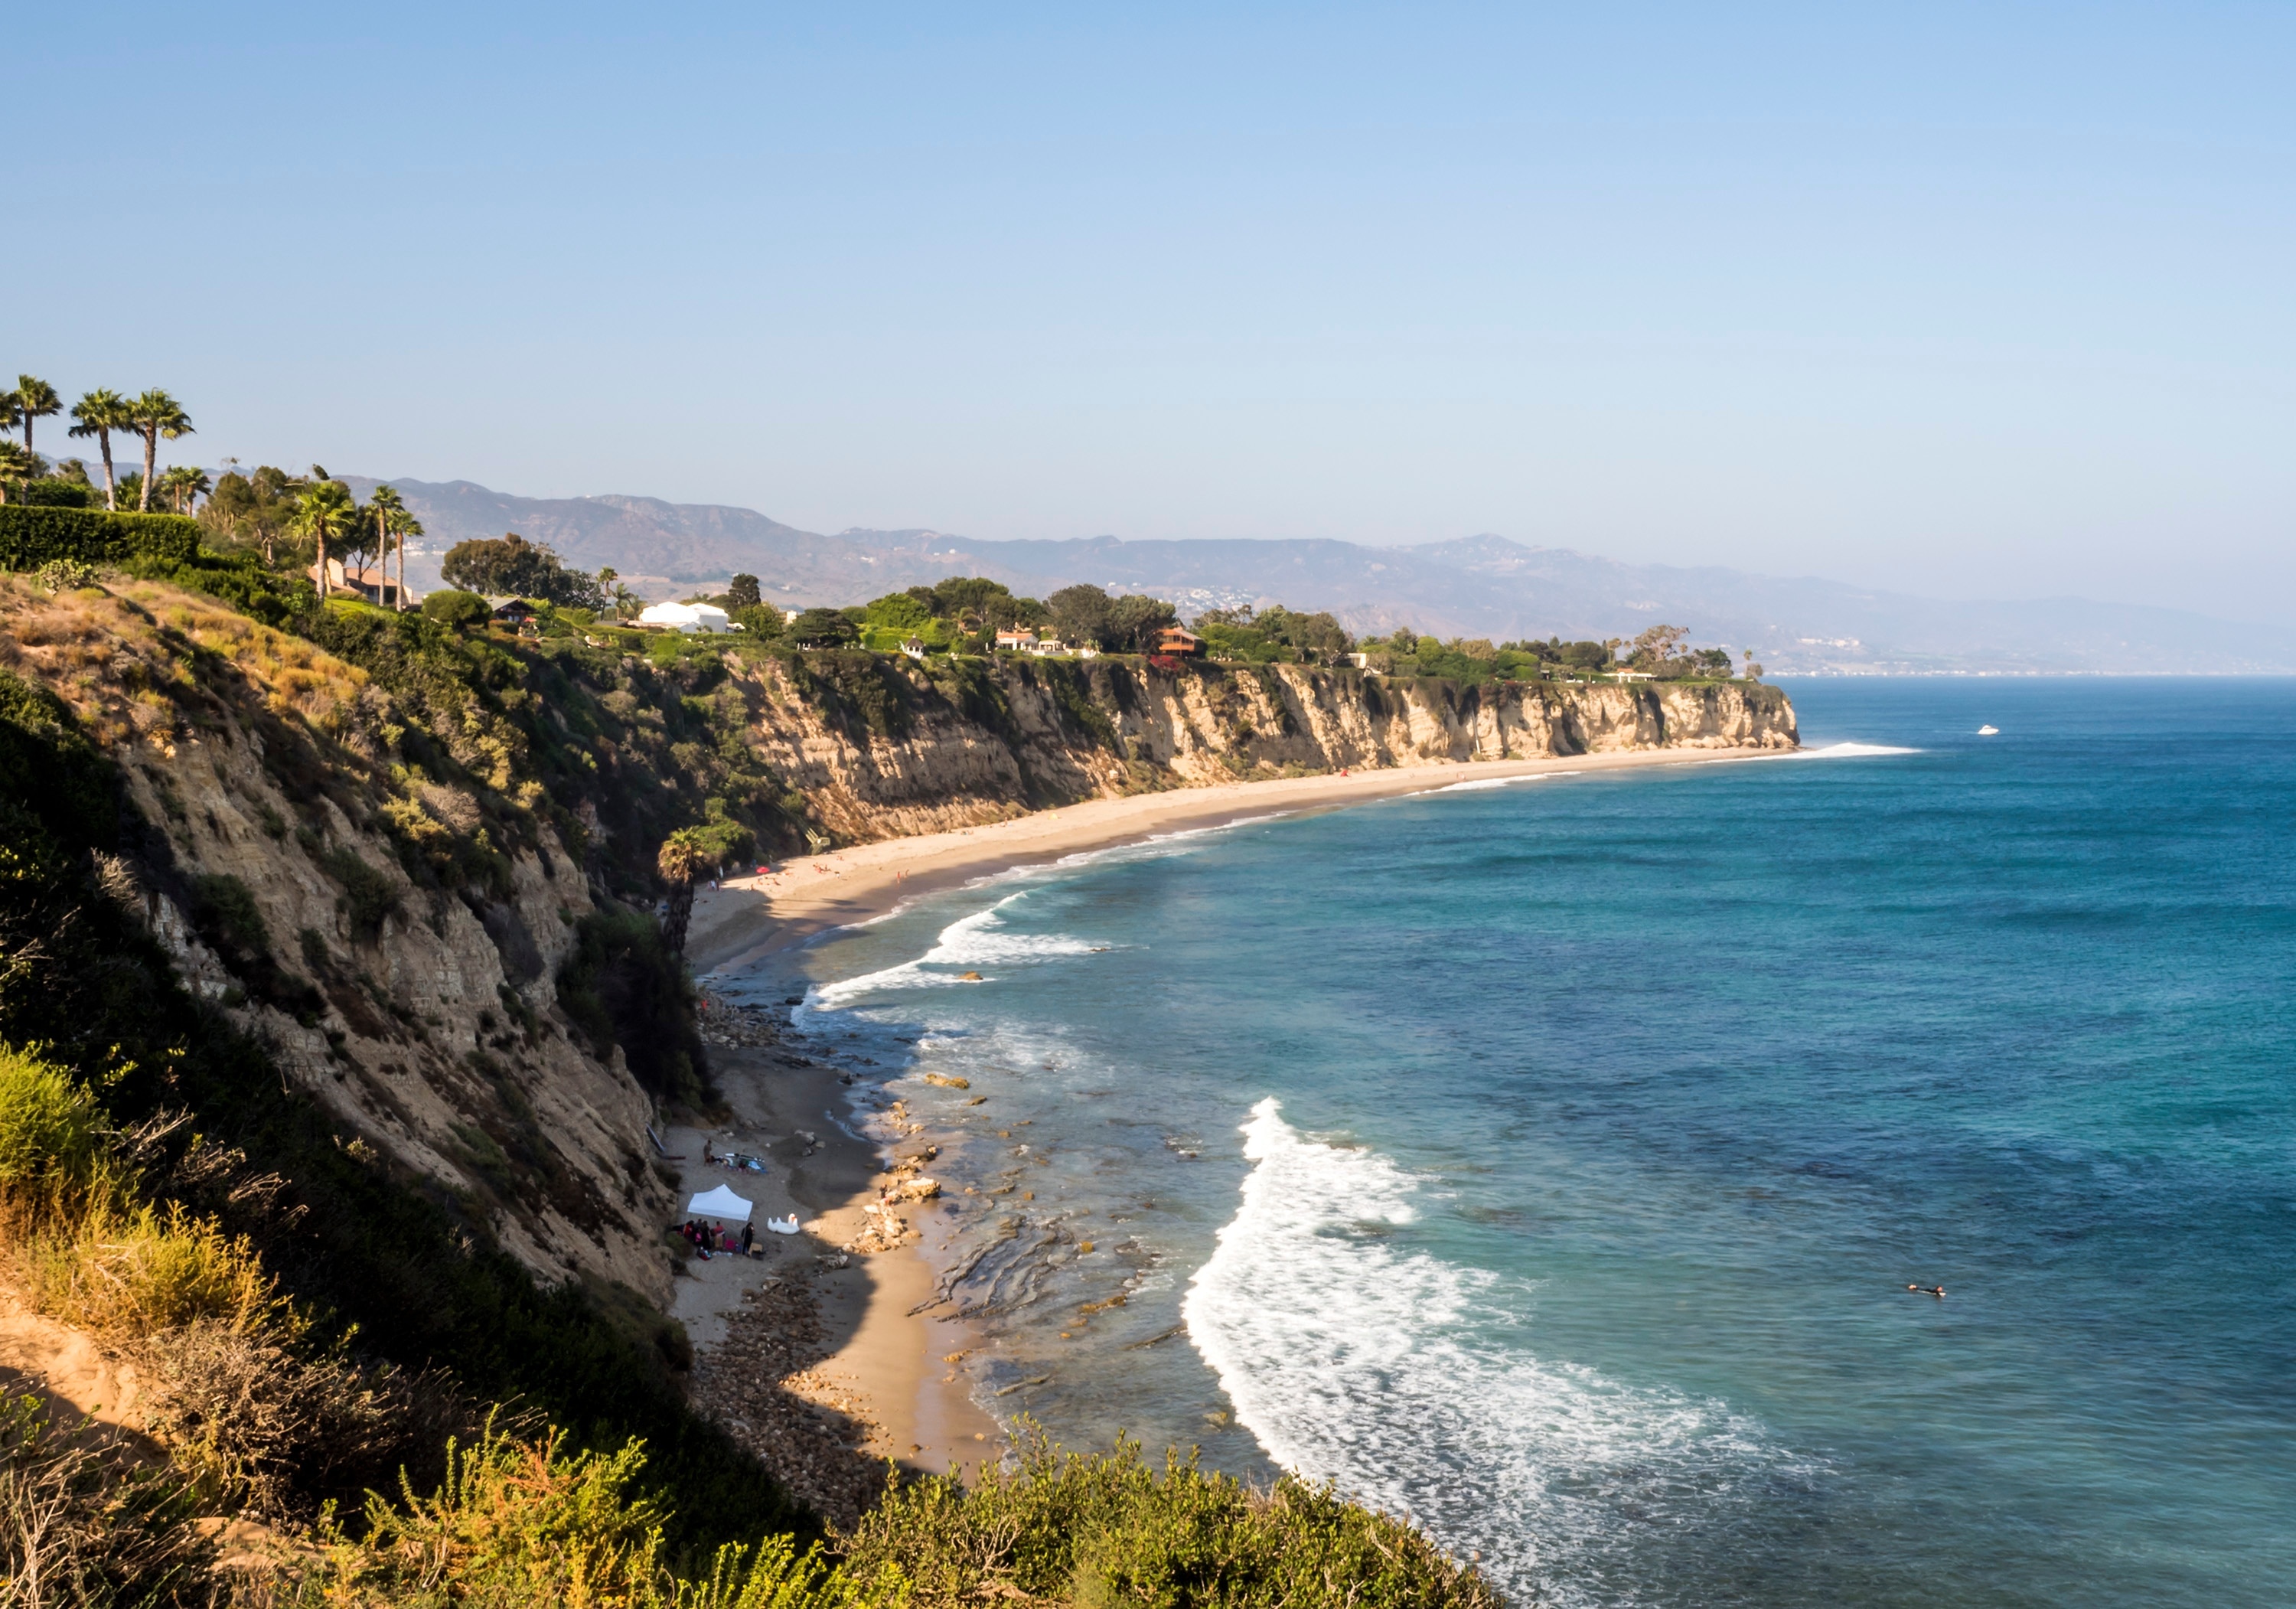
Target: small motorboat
[(1989, 732)]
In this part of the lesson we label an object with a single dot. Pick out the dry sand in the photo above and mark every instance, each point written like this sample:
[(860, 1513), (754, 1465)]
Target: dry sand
[(827, 1368)]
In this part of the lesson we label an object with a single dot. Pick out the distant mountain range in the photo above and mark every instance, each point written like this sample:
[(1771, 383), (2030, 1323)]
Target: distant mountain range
[(1483, 586)]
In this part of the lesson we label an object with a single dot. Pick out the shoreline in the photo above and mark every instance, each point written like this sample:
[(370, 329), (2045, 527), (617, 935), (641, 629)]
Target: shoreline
[(884, 1366), (746, 919), (812, 1354)]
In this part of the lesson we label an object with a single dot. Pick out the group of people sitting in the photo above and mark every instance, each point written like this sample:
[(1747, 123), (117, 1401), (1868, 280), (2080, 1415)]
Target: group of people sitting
[(708, 1237)]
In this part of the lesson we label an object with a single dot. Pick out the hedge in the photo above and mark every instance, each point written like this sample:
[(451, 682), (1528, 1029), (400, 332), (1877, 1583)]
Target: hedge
[(32, 537)]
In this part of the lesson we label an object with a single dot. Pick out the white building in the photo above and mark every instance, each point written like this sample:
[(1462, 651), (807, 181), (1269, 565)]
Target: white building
[(686, 617)]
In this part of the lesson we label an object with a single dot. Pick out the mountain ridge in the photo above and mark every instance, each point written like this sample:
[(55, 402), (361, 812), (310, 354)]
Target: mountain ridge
[(1483, 585)]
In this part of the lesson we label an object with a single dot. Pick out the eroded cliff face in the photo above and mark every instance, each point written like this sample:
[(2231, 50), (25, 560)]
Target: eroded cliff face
[(426, 1021), (990, 743)]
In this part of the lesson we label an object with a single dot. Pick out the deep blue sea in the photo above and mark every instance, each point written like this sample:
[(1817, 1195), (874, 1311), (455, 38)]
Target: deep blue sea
[(1549, 1162)]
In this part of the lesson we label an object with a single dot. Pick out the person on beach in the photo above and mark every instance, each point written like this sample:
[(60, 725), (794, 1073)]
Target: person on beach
[(749, 1239)]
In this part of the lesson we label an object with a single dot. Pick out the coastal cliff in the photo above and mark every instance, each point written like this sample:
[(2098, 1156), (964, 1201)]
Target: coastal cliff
[(960, 745), (414, 865)]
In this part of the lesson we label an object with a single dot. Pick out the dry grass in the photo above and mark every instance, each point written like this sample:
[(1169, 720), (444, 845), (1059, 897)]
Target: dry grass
[(137, 660), (127, 1271)]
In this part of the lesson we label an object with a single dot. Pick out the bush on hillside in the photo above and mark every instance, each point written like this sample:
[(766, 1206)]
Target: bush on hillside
[(520, 1525), (460, 609), (31, 536), (51, 1139), (1107, 1531), (624, 987)]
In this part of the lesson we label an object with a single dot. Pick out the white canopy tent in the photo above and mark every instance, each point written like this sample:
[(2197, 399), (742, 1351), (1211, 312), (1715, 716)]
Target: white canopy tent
[(720, 1203)]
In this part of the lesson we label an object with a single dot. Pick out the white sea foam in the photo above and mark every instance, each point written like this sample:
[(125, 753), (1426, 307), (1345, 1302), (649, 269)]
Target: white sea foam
[(1852, 752), (1483, 783), (970, 943), (1361, 1361)]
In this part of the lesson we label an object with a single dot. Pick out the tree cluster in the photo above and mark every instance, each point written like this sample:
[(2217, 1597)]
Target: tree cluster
[(512, 565), (154, 416), (1273, 635)]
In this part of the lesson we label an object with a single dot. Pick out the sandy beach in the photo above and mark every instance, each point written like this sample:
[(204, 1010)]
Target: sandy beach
[(748, 918), (811, 1352), (816, 1355)]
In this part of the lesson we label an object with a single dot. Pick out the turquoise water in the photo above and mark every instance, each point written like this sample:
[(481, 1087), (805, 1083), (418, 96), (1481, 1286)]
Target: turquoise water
[(1549, 1162)]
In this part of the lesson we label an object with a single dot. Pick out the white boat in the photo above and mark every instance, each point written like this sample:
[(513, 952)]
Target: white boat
[(1989, 732)]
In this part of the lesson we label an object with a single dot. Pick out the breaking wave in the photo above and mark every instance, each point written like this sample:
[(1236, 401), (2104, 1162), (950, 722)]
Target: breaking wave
[(967, 944), (1380, 1367), (1852, 752)]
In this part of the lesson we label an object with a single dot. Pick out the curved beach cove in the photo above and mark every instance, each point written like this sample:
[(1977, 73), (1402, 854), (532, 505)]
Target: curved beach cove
[(1547, 1158)]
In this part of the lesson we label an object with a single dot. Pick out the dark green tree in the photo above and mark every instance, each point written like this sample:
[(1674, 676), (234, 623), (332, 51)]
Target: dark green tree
[(741, 593), (821, 629), (513, 566)]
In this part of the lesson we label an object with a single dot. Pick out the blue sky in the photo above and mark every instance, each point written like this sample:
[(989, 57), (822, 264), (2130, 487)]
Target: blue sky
[(1973, 300)]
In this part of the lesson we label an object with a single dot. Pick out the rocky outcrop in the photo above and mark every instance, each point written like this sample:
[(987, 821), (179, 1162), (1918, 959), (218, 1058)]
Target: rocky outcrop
[(964, 745)]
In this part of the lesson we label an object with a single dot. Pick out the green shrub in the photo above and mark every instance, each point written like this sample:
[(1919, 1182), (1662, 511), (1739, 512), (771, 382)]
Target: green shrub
[(31, 536), (65, 575), (240, 580), (1109, 1529), (225, 911), (54, 493), (623, 987), (51, 1137), (460, 609), (131, 1271), (537, 1525), (370, 897)]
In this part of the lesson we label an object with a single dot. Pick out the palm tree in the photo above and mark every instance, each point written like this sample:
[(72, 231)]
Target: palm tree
[(184, 485), (683, 858), (9, 412), (98, 414), (392, 519), (323, 510), (34, 400), (16, 463), (154, 414)]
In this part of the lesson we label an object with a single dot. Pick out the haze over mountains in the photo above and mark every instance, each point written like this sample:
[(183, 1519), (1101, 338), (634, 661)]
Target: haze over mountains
[(1479, 586)]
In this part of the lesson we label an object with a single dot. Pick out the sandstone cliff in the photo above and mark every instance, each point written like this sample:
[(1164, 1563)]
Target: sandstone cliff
[(959, 745)]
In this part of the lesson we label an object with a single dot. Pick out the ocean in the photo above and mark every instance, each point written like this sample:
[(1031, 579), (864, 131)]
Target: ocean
[(1549, 1162)]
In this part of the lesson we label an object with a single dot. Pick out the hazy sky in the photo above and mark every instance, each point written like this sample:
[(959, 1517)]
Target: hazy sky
[(1975, 301)]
